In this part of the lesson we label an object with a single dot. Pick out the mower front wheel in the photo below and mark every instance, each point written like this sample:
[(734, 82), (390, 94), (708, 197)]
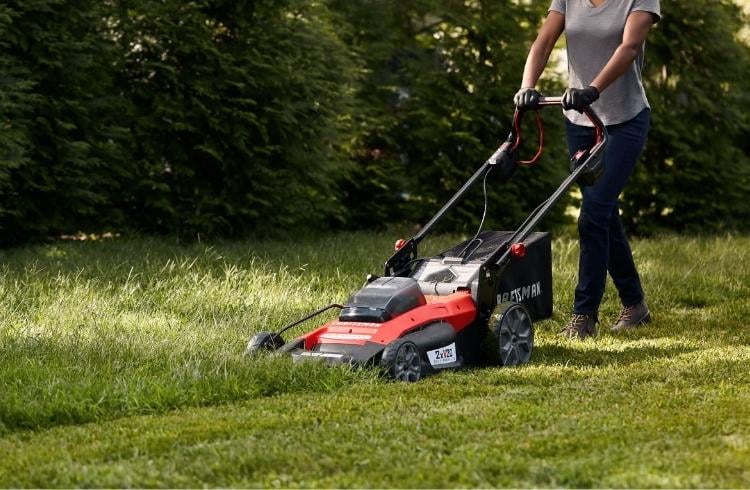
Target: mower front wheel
[(263, 342), (402, 361)]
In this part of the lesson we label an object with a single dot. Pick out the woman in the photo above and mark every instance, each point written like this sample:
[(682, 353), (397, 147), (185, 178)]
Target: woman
[(605, 44)]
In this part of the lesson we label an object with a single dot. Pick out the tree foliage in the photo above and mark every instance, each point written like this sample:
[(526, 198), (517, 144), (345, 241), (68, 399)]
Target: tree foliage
[(240, 112), (62, 160), (695, 174), (440, 79), (236, 117)]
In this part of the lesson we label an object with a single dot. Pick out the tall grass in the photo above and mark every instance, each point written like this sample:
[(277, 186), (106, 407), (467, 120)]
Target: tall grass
[(94, 330)]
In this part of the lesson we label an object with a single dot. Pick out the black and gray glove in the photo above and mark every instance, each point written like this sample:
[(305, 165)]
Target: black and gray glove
[(527, 99), (579, 98)]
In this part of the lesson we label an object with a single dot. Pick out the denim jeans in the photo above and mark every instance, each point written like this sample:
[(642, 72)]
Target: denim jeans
[(603, 245)]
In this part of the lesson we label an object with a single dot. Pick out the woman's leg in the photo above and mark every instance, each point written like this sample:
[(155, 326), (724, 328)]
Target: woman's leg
[(603, 245), (621, 265)]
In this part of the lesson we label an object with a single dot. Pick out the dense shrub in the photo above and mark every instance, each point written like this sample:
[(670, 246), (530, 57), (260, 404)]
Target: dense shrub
[(240, 112)]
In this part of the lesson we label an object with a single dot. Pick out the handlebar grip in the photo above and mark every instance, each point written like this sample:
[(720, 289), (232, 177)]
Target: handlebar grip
[(547, 101)]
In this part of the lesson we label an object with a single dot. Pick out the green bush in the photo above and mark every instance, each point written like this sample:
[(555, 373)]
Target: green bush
[(16, 101), (235, 118), (187, 117)]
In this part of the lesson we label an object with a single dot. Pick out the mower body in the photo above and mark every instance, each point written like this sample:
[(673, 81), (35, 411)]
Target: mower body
[(438, 320), (441, 307)]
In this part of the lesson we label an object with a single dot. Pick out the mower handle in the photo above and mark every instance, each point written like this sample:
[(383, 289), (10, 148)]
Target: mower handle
[(600, 130), (406, 251), (503, 254)]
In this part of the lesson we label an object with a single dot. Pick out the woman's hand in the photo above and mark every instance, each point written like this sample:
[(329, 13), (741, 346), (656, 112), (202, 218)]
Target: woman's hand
[(527, 99), (579, 98)]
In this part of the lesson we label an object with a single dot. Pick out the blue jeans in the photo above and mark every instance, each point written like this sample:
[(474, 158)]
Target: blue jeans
[(603, 245)]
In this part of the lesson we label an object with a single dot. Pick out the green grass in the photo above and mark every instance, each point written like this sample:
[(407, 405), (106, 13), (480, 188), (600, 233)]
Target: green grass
[(121, 364)]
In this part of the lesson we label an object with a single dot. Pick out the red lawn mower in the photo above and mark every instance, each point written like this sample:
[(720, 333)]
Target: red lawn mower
[(427, 314)]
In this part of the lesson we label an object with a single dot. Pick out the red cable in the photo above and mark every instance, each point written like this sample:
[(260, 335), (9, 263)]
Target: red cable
[(517, 142)]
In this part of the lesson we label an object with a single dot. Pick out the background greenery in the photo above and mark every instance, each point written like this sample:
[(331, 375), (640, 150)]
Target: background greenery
[(250, 117)]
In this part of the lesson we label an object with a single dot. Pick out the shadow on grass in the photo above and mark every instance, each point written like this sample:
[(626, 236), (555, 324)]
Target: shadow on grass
[(590, 356)]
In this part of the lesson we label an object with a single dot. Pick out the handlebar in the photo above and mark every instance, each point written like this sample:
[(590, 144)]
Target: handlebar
[(600, 130), (547, 101)]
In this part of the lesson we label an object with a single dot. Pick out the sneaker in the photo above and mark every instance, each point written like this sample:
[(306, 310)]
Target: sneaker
[(580, 327), (632, 316)]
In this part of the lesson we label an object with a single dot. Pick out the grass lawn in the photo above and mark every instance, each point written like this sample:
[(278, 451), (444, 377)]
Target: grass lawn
[(121, 364)]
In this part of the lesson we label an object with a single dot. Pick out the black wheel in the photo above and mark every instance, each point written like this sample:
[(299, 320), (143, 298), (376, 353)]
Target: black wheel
[(402, 361), (263, 342), (511, 324)]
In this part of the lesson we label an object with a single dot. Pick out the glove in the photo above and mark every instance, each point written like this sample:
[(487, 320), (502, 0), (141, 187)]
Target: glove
[(579, 98), (527, 99)]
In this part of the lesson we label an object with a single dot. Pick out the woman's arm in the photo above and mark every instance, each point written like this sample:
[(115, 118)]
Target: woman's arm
[(637, 26), (636, 29), (539, 53)]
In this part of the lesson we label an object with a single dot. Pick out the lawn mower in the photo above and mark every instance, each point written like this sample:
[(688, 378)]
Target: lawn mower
[(461, 306)]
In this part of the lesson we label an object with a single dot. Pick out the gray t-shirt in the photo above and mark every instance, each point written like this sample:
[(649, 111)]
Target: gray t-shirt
[(593, 34)]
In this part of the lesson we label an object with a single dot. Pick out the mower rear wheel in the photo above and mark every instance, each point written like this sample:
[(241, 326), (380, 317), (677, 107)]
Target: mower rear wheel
[(514, 331), (402, 361)]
